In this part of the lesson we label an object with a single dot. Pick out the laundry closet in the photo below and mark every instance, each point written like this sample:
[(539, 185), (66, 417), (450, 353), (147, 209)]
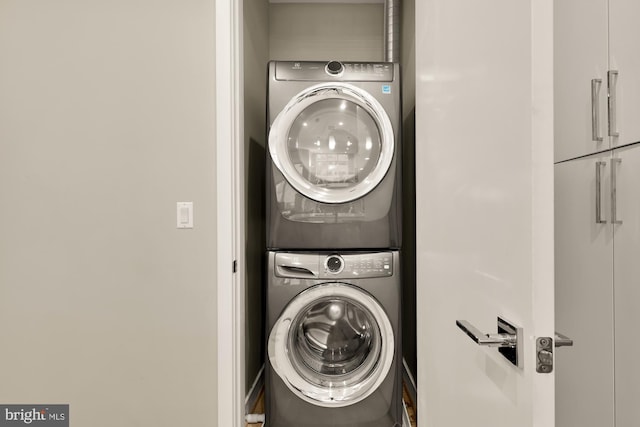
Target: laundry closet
[(312, 31)]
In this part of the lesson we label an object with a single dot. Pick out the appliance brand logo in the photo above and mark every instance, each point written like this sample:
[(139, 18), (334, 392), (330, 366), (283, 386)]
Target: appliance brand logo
[(38, 415)]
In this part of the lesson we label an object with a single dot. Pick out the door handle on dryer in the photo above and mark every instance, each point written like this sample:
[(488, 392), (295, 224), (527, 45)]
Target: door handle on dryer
[(595, 110), (508, 339)]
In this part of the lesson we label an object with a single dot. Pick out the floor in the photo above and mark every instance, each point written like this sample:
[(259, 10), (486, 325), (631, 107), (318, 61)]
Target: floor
[(409, 405)]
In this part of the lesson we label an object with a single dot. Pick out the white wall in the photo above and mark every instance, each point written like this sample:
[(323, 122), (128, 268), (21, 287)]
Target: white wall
[(106, 120)]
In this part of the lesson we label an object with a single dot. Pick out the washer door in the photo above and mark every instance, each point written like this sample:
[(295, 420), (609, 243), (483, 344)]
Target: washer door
[(333, 345), (333, 143)]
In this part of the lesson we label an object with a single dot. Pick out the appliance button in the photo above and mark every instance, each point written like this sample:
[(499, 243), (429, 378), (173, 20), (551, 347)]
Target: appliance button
[(334, 68), (334, 263)]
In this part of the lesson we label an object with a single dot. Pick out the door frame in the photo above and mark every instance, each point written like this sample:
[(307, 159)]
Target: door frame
[(230, 262), (229, 186)]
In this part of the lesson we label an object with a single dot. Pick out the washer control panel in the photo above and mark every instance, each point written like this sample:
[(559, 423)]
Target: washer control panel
[(336, 70), (333, 265)]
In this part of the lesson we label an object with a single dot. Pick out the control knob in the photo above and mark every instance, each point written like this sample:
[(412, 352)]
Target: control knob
[(334, 68), (334, 264)]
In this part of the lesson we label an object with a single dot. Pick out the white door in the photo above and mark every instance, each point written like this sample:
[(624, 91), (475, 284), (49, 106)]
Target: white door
[(484, 174)]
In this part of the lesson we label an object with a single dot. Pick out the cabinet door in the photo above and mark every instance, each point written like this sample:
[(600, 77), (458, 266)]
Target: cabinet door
[(624, 33), (584, 294), (580, 57), (627, 290)]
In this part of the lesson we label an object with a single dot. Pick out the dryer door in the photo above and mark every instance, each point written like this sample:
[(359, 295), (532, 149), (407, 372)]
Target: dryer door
[(333, 143), (333, 345)]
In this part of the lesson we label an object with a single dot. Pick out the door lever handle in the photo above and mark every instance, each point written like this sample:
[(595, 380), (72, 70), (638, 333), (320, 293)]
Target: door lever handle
[(489, 340), (562, 340), (507, 340)]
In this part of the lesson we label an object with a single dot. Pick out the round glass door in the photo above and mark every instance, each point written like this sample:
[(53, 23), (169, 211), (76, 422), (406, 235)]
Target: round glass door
[(333, 143), (333, 345)]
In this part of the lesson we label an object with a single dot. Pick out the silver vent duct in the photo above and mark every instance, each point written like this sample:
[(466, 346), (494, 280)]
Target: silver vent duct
[(392, 30)]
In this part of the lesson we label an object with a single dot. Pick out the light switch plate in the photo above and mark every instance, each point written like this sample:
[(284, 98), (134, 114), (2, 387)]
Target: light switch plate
[(184, 214)]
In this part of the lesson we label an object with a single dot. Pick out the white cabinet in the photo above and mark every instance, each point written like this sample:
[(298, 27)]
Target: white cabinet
[(584, 293), (580, 60), (597, 248), (624, 34), (627, 287), (597, 76)]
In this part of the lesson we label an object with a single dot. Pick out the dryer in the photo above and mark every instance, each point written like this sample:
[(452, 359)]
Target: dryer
[(333, 163), (333, 340)]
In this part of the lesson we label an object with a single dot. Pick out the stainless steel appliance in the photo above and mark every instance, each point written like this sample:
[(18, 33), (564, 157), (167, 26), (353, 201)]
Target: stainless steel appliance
[(334, 339)]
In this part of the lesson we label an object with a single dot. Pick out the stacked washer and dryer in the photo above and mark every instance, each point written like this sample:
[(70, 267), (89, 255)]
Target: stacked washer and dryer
[(334, 354)]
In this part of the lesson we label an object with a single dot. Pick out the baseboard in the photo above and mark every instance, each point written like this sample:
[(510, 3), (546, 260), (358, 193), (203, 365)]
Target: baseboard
[(253, 394)]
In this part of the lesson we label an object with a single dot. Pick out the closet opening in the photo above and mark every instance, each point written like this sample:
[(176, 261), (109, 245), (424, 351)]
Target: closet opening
[(318, 31)]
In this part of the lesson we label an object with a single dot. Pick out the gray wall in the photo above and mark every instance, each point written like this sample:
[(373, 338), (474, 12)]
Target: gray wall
[(106, 121), (326, 31), (256, 55), (408, 61)]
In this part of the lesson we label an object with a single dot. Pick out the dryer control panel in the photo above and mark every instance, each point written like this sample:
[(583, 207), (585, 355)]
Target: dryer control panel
[(334, 265), (334, 70)]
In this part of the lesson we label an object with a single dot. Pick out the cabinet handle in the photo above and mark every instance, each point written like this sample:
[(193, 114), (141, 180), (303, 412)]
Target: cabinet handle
[(614, 191), (595, 110), (599, 167), (612, 81)]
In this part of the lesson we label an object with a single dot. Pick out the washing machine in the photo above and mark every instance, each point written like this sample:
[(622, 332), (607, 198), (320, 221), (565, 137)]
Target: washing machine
[(333, 340), (333, 163)]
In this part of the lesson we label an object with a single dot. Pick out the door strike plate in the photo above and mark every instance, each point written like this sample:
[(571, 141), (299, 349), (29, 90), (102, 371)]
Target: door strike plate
[(544, 355)]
